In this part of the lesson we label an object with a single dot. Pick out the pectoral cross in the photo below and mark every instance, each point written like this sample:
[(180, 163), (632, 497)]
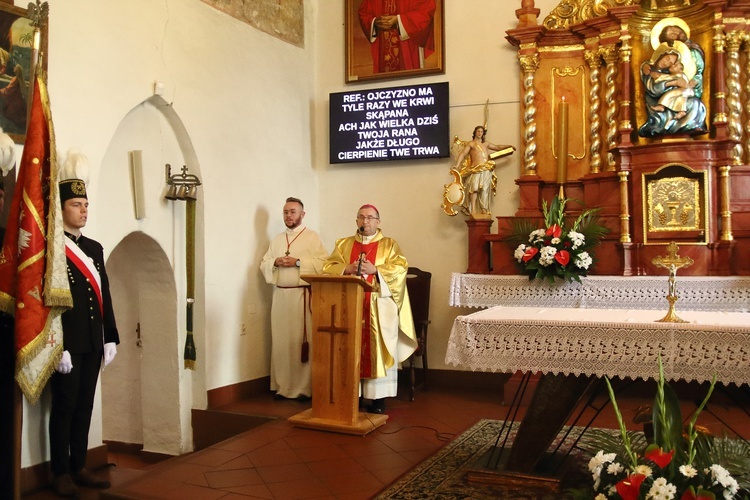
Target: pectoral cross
[(672, 262)]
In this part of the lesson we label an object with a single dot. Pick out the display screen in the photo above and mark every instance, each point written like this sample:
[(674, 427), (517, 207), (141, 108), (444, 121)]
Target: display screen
[(397, 123)]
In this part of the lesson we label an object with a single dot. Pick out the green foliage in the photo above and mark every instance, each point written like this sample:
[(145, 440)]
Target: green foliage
[(667, 420)]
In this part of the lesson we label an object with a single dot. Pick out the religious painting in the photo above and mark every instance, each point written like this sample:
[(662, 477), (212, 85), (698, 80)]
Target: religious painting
[(393, 38), (16, 56)]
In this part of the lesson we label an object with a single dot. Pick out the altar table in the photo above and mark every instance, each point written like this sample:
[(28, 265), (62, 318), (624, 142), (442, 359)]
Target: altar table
[(603, 342), (696, 293)]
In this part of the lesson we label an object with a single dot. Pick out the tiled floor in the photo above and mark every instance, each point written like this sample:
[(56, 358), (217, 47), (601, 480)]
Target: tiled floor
[(278, 461)]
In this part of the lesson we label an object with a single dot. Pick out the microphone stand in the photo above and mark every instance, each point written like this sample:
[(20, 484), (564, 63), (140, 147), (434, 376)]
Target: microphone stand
[(359, 265)]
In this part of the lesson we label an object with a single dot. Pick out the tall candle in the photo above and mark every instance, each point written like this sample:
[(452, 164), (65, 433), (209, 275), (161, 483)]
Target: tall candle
[(562, 144)]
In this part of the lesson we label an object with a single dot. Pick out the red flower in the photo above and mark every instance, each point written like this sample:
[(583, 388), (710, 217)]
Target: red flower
[(530, 253), (690, 494), (563, 257), (658, 456), (554, 230), (629, 487)]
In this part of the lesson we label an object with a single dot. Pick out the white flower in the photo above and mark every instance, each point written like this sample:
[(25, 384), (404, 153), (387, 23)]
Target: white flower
[(600, 459), (721, 476), (555, 241), (547, 255), (576, 238), (518, 254), (583, 260), (614, 468), (688, 470), (643, 469), (661, 490), (600, 496), (536, 235)]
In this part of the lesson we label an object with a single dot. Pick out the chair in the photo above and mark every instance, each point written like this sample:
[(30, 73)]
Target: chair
[(418, 285)]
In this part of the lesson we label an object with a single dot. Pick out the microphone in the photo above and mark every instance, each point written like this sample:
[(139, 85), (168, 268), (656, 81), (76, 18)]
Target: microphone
[(359, 266)]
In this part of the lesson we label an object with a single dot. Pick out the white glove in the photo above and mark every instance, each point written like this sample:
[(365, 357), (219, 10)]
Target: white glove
[(110, 351), (65, 364)]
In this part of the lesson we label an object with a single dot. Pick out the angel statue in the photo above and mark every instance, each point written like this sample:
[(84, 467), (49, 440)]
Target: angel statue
[(474, 176)]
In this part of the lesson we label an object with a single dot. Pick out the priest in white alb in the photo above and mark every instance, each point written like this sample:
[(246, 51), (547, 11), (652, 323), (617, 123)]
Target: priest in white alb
[(296, 251)]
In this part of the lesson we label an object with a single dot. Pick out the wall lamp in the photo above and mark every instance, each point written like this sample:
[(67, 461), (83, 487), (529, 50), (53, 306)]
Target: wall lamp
[(183, 186)]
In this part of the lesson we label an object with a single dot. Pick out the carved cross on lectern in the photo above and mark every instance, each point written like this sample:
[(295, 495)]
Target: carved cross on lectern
[(672, 262), (333, 330)]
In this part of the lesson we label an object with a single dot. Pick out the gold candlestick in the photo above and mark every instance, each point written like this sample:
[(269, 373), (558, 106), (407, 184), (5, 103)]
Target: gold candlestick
[(673, 262), (562, 141)]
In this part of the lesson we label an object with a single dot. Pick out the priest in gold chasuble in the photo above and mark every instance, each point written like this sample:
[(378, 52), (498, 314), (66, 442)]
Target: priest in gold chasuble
[(388, 336)]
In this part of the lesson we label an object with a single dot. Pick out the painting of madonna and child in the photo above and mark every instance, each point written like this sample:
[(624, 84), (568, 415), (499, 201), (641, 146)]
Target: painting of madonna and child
[(673, 82)]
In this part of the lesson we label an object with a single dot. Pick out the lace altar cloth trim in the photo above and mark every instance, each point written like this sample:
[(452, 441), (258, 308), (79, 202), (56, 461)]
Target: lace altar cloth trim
[(696, 293), (498, 340)]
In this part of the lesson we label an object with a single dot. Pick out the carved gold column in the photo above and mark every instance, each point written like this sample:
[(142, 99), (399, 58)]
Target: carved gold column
[(594, 61), (724, 200), (720, 118), (625, 126), (734, 40), (609, 53), (624, 207), (529, 65)]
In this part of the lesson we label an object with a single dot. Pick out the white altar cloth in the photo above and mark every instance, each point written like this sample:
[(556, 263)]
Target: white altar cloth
[(603, 342), (696, 293)]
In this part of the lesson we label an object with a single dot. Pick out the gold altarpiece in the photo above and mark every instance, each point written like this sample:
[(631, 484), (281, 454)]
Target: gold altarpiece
[(691, 188)]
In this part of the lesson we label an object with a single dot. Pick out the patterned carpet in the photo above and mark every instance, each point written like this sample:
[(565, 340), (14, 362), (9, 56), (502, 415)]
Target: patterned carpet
[(443, 475)]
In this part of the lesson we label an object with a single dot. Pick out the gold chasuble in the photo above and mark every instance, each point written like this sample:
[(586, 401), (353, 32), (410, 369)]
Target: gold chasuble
[(379, 340)]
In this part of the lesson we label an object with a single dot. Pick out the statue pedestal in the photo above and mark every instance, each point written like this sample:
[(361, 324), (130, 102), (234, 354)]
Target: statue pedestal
[(479, 246)]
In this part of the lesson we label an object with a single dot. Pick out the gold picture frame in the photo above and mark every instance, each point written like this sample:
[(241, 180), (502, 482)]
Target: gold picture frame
[(403, 55), (16, 59)]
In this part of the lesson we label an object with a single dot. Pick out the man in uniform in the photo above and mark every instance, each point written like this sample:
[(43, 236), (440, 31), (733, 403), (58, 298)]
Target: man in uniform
[(388, 336), (296, 251), (89, 335)]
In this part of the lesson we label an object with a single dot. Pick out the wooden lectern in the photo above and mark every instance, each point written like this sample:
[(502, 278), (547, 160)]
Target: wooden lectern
[(336, 343)]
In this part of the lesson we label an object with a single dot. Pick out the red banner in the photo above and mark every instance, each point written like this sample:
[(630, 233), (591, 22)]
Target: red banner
[(33, 277)]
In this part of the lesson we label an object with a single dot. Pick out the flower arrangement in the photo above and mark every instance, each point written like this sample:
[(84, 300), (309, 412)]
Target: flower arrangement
[(689, 466), (556, 251)]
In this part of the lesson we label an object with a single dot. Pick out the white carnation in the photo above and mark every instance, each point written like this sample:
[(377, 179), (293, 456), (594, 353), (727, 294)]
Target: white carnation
[(518, 254)]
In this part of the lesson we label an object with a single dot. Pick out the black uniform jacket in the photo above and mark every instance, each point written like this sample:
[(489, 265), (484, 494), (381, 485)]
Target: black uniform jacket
[(84, 328)]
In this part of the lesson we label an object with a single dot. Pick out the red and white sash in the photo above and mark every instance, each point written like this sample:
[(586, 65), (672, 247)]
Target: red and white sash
[(84, 264)]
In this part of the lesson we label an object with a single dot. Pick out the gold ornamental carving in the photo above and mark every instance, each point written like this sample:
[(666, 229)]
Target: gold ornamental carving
[(674, 204), (570, 12)]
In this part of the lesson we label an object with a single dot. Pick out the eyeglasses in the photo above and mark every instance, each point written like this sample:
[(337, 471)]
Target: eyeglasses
[(367, 218)]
